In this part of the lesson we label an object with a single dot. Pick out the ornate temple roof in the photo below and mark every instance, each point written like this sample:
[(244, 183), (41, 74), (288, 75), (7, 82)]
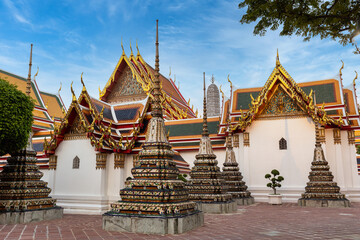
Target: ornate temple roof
[(325, 101)]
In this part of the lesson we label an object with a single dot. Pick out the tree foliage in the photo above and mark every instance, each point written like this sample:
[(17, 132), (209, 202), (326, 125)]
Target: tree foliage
[(335, 19), (15, 118), (274, 181)]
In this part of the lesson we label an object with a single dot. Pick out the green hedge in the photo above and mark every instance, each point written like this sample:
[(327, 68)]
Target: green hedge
[(15, 118)]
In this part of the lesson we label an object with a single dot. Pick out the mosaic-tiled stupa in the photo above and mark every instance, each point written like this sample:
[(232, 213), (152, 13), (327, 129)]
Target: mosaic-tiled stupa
[(321, 190), (232, 175), (154, 201), (207, 186), (23, 196)]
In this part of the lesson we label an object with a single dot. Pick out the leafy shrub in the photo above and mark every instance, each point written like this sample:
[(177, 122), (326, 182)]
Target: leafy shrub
[(274, 181), (15, 118)]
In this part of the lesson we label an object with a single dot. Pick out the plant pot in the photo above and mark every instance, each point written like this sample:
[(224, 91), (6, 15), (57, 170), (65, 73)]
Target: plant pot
[(275, 199)]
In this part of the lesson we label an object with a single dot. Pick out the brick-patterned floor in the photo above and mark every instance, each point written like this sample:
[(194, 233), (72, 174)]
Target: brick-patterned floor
[(258, 221)]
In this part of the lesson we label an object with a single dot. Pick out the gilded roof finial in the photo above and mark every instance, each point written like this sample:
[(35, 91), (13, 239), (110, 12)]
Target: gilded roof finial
[(174, 78), (28, 82), (37, 72), (205, 126), (82, 82), (169, 71), (122, 46), (354, 83), (73, 93), (277, 58), (228, 78), (131, 54), (137, 48), (340, 74), (59, 89)]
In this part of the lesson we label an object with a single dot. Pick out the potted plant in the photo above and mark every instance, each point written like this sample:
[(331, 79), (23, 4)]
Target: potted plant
[(274, 183)]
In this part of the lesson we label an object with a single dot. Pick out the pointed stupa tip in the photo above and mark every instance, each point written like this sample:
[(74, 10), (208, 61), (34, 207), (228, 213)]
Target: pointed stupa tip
[(137, 48), (28, 82), (277, 58), (205, 127), (131, 51), (157, 109), (122, 46)]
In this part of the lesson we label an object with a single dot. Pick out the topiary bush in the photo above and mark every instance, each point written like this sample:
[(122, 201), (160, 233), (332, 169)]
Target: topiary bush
[(274, 181), (15, 118)]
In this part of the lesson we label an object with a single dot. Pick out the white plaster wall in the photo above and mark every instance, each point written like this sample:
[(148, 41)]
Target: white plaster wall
[(82, 190), (264, 154)]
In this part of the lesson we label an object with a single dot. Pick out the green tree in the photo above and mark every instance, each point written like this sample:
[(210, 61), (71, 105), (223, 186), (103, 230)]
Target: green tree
[(274, 181), (335, 19), (15, 118)]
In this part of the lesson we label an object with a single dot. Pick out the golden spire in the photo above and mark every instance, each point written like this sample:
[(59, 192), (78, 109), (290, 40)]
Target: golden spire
[(122, 46), (137, 48), (169, 71), (73, 93), (156, 107), (355, 79), (82, 82), (205, 126), (59, 89), (131, 54), (28, 82), (340, 74), (37, 72), (277, 58)]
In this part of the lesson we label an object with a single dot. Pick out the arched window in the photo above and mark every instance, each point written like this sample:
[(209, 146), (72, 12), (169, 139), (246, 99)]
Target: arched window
[(76, 163), (282, 144)]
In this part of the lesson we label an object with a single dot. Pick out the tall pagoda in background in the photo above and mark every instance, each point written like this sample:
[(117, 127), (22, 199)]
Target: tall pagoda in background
[(155, 201)]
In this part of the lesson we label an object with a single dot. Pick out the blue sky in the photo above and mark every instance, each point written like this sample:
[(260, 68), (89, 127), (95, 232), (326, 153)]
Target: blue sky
[(71, 37)]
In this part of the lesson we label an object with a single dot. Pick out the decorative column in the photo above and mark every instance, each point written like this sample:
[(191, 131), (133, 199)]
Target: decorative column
[(339, 172), (207, 186), (155, 201), (233, 178), (321, 190), (23, 196)]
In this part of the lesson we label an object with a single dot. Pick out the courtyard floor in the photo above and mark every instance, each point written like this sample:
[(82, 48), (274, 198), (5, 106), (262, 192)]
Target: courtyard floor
[(258, 221)]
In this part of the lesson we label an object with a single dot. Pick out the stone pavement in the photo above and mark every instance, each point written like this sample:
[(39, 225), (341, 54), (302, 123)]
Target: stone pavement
[(258, 221)]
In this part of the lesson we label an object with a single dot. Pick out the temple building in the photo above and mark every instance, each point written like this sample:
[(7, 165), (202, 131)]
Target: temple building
[(95, 144)]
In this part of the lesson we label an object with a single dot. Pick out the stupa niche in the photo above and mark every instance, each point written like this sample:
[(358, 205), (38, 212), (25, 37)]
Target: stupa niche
[(207, 186), (24, 197), (155, 201), (321, 190)]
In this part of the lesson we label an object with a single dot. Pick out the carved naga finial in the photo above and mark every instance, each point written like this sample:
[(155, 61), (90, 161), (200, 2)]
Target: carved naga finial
[(122, 46), (73, 93), (231, 85), (37, 72), (137, 48), (277, 58), (82, 82), (131, 51), (354, 83), (59, 89), (340, 73)]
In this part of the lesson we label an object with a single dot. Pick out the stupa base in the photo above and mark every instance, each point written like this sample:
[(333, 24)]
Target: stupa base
[(323, 202), (244, 201), (31, 215), (152, 225), (217, 207)]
